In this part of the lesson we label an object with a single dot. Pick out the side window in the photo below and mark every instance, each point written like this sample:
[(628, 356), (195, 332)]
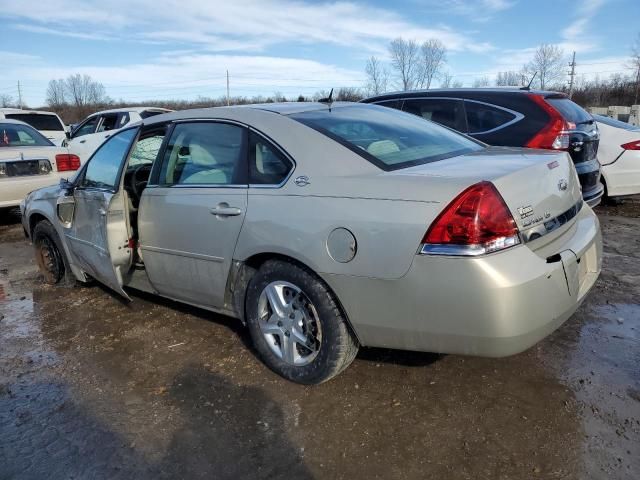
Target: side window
[(207, 153), (446, 112), (397, 104), (109, 122), (146, 150), (87, 127), (267, 165), (124, 119), (103, 167), (483, 118)]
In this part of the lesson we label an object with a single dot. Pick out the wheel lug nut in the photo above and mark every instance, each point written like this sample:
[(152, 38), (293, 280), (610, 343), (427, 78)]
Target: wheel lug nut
[(286, 334), (279, 323), (292, 316)]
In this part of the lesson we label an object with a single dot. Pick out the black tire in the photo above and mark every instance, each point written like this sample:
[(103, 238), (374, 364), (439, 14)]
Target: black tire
[(50, 256), (338, 346)]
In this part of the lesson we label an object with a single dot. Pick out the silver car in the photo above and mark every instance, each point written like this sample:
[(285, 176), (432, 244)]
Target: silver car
[(325, 227)]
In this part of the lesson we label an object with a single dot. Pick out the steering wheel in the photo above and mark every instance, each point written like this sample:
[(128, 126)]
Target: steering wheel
[(139, 180)]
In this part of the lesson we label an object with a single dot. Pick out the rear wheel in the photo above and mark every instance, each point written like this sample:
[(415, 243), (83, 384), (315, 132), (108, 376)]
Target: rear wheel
[(296, 324), (52, 262)]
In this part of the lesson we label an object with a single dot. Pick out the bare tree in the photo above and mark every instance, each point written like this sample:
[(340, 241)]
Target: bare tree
[(377, 77), (549, 63), (447, 78), (348, 94), (433, 55), (6, 100), (509, 78), (405, 61), (635, 64), (481, 82), (82, 90), (456, 84), (56, 93)]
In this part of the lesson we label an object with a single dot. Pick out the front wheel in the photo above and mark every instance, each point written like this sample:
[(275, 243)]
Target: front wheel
[(50, 256), (296, 324)]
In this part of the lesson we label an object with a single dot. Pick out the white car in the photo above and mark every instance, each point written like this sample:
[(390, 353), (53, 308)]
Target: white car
[(619, 155), (48, 124), (29, 161), (88, 135)]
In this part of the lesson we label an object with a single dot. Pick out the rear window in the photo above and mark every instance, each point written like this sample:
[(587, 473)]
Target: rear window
[(616, 123), (16, 135), (386, 137), (38, 121), (572, 112)]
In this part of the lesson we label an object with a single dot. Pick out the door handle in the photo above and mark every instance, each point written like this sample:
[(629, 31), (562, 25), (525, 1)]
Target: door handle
[(224, 210), (82, 141), (107, 135)]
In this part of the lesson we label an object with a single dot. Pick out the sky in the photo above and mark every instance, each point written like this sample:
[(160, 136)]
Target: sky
[(181, 49)]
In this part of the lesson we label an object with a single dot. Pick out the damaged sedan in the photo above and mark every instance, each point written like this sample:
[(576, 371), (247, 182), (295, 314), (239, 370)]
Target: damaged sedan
[(328, 226)]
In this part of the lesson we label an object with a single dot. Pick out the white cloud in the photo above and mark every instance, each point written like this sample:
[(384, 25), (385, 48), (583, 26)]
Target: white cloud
[(249, 24)]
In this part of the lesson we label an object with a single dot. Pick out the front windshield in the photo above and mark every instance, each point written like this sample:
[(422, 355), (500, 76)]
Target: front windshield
[(19, 135), (388, 138)]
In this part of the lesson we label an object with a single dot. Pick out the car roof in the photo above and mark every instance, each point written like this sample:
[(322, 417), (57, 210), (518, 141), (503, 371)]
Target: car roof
[(282, 108), (22, 110), (14, 122), (130, 109), (455, 91)]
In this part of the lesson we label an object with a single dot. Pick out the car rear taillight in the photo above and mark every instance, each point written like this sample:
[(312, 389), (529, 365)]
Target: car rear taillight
[(555, 134), (631, 145), (67, 161), (476, 222)]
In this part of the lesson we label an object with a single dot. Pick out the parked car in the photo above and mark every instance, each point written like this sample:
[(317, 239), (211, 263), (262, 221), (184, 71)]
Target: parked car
[(328, 227), (619, 155), (513, 117), (29, 161), (89, 134), (47, 123)]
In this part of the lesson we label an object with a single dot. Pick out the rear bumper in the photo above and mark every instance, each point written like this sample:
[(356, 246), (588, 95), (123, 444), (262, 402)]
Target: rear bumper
[(589, 175), (14, 189), (495, 305)]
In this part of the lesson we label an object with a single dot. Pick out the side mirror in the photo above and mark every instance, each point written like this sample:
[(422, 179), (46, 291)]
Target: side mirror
[(68, 134)]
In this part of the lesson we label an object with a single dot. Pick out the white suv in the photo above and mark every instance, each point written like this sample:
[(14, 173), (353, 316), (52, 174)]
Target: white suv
[(89, 134), (47, 123)]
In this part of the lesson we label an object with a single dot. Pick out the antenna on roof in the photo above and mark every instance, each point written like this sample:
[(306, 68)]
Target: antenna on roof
[(528, 87), (328, 99)]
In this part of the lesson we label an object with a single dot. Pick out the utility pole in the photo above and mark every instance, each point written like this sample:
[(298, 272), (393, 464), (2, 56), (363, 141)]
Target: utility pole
[(19, 96), (572, 74), (227, 88)]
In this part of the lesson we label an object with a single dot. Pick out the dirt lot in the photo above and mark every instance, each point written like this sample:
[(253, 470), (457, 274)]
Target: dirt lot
[(91, 387)]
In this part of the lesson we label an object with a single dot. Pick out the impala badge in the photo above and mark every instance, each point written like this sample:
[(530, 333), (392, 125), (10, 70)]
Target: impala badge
[(302, 181), (563, 185), (525, 211)]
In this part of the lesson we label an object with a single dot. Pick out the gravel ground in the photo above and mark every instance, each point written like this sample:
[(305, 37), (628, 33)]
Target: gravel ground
[(91, 387)]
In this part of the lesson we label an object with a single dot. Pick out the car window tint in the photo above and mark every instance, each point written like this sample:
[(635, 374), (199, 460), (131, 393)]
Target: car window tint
[(397, 104), (109, 122), (146, 150), (267, 165), (616, 123), (86, 128), (103, 167), (203, 153), (443, 111), (571, 111), (386, 137), (15, 135), (482, 118), (39, 121)]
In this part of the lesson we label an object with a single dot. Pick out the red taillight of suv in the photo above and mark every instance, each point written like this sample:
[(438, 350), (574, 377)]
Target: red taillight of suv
[(476, 222), (66, 162), (631, 145), (555, 134)]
